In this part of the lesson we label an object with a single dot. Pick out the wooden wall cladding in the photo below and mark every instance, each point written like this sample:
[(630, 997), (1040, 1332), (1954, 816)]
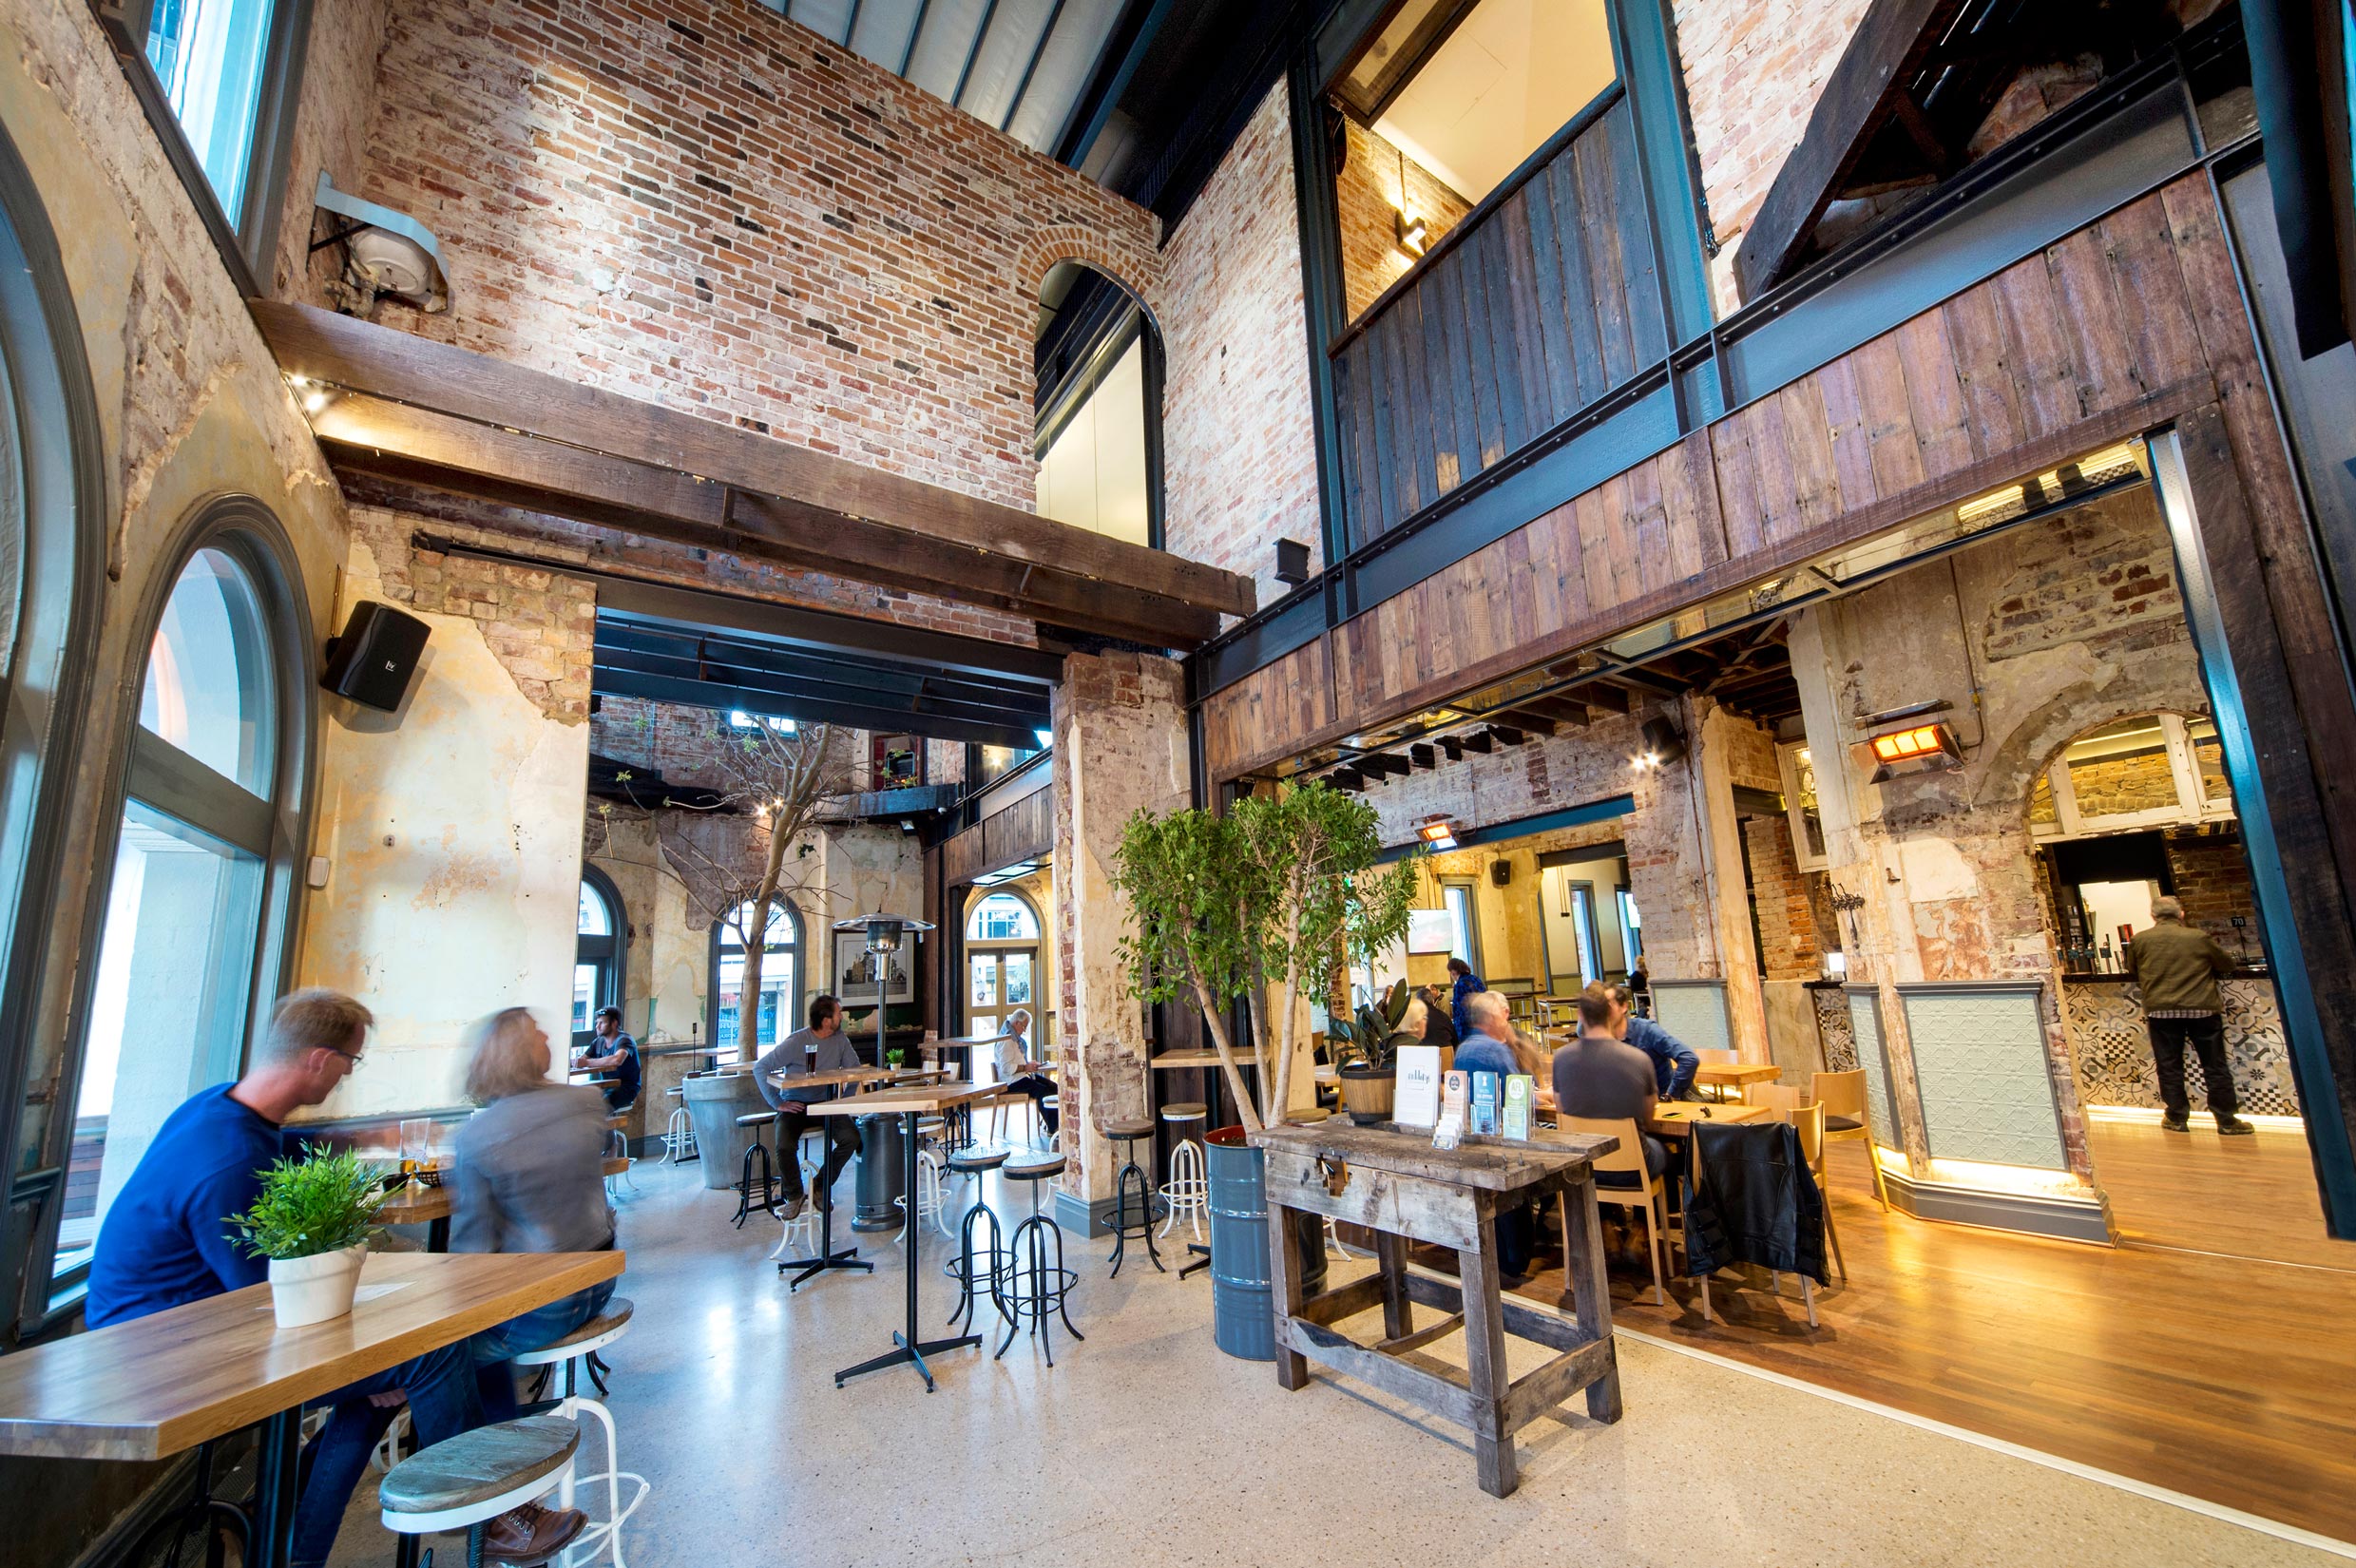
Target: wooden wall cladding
[(2119, 328), (1023, 830), (1550, 303)]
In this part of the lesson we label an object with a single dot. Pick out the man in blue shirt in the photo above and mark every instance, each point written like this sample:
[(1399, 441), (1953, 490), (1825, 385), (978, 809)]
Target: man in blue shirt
[(166, 1241), (1674, 1062), (1490, 1049), (612, 1052)]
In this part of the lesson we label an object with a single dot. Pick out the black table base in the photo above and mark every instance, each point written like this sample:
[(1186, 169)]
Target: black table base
[(808, 1267), (1202, 1259), (907, 1349)]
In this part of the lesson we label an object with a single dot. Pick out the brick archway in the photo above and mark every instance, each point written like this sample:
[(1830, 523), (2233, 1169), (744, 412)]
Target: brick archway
[(1072, 243)]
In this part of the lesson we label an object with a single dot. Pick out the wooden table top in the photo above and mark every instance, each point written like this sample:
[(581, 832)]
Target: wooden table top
[(1735, 1072), (1678, 1113), (1495, 1164), (1195, 1059), (153, 1388), (901, 1100), (831, 1078), (422, 1207)]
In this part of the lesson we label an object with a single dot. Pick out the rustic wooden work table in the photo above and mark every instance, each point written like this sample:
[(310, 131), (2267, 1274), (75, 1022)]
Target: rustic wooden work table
[(1397, 1184)]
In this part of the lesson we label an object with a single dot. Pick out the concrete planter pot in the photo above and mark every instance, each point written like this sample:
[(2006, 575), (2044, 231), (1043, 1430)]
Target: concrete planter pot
[(1367, 1093), (315, 1288)]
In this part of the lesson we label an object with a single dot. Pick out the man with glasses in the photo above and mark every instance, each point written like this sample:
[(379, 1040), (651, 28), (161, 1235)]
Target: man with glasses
[(166, 1241)]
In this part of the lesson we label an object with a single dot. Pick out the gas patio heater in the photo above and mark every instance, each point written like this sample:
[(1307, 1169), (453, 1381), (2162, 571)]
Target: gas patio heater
[(885, 934)]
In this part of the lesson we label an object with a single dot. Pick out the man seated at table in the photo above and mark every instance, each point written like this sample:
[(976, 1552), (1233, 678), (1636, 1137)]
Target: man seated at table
[(1674, 1062), (1019, 1074), (1601, 1077), (791, 1057), (166, 1242), (1491, 1047), (612, 1052)]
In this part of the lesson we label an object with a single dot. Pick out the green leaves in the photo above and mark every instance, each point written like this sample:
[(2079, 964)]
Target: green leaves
[(321, 1203)]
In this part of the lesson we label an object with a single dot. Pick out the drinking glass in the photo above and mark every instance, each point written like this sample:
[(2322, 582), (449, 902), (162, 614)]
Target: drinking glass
[(416, 1147)]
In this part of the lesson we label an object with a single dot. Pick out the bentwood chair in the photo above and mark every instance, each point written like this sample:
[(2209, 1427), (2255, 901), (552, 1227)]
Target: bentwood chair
[(1843, 1096), (1645, 1194)]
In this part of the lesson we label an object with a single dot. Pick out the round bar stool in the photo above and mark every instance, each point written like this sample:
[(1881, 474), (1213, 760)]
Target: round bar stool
[(1034, 1288), (1127, 1223), (803, 1227), (678, 1133), (974, 1162), (1187, 1192), (1040, 1108), (574, 1352), (465, 1481), (745, 1205)]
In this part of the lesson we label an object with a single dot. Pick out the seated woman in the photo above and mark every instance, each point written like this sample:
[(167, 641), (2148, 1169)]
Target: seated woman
[(528, 1178), (1019, 1073)]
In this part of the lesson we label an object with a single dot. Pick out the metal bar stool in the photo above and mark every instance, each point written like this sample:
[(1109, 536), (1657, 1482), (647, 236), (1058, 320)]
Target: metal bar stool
[(574, 1352), (465, 1481), (974, 1162), (1187, 1192), (678, 1133), (1034, 1288), (1126, 1223), (745, 1206)]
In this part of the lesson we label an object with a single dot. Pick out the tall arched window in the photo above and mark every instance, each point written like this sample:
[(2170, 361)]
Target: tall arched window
[(780, 981), (192, 947), (1002, 962), (599, 945)]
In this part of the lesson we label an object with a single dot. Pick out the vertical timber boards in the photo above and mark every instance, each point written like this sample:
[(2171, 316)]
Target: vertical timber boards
[(1023, 830), (2115, 330)]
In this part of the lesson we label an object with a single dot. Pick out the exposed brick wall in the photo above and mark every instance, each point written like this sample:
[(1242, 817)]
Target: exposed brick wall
[(1366, 197), (2211, 871), (2114, 785), (541, 625), (1238, 439), (1792, 932), (330, 134), (700, 204)]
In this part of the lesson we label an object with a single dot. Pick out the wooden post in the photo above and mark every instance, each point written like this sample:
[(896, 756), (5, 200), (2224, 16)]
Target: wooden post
[(1485, 1358), (1590, 1291), (1284, 1258), (1398, 1311)]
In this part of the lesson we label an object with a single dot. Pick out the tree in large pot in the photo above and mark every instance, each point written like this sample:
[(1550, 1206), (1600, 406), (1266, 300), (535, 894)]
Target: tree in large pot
[(1276, 893), (1366, 1056)]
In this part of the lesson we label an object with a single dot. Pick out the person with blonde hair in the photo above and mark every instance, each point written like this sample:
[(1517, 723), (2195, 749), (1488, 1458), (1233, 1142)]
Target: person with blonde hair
[(529, 1176)]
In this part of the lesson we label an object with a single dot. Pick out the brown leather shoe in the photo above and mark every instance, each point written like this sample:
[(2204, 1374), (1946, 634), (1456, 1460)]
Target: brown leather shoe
[(530, 1534)]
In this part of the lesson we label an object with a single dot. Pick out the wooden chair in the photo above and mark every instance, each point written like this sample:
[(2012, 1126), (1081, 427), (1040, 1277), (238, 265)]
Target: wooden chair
[(1647, 1197), (1843, 1097), (1807, 1116)]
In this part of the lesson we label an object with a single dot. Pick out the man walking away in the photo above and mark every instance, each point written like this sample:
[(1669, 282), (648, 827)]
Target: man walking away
[(2177, 966)]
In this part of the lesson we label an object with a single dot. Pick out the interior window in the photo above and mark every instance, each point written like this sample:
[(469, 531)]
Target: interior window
[(1002, 917), (210, 56), (596, 959), (1443, 103), (780, 976), (175, 978)]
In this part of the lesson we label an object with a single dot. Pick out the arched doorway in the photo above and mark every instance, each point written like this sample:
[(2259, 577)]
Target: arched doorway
[(1097, 434), (1002, 961)]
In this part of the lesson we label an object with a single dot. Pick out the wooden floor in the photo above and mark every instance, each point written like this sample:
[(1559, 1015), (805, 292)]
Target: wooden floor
[(2227, 1377)]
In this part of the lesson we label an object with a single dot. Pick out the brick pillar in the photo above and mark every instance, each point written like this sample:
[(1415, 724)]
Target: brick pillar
[(1710, 728), (1119, 746)]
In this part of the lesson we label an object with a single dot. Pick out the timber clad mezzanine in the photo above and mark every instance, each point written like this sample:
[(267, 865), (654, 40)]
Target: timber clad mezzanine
[(1534, 311), (1023, 830), (2115, 328)]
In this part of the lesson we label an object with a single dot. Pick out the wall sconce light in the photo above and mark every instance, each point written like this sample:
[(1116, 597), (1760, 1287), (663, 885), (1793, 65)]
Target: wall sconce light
[(1437, 832), (1932, 744), (1414, 234), (1662, 746)]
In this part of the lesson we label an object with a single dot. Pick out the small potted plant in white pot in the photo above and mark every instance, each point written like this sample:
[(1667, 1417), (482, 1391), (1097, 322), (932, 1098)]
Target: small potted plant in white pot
[(312, 1222)]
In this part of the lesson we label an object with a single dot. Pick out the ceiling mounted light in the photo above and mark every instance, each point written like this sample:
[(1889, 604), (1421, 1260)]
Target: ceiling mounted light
[(1438, 832), (1662, 746)]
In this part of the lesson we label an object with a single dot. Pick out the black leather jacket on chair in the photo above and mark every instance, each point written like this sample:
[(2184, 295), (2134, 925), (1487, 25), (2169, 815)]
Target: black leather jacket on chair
[(1757, 1202)]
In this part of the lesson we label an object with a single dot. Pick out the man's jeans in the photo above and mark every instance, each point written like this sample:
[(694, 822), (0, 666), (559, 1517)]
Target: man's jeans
[(442, 1404), (494, 1348)]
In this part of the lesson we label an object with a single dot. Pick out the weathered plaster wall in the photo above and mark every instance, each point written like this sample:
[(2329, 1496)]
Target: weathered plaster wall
[(1119, 747), (2034, 638), (1239, 441)]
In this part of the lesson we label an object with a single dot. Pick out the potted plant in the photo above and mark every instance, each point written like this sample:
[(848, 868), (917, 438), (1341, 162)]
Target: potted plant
[(1228, 907), (1364, 1057), (311, 1221)]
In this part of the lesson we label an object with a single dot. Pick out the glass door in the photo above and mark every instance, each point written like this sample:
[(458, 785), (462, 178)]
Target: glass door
[(982, 993)]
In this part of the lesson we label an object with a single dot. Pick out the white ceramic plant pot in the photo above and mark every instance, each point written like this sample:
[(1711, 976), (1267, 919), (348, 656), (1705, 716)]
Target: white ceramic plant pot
[(315, 1288)]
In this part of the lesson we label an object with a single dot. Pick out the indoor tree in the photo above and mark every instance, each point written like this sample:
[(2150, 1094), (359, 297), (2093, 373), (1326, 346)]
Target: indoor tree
[(1272, 890)]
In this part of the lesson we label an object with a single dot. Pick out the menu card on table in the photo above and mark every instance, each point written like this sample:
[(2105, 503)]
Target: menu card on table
[(1452, 1129), (1418, 1096), (1520, 1095), (1484, 1113)]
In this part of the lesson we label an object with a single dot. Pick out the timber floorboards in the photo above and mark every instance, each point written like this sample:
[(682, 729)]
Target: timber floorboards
[(2231, 1379)]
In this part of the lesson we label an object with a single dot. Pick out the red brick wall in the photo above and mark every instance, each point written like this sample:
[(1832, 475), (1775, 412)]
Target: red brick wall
[(1787, 901), (697, 203), (1239, 441), (2212, 876), (1366, 196)]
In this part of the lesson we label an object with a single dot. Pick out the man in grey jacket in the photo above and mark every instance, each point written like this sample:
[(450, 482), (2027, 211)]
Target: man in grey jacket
[(821, 1049)]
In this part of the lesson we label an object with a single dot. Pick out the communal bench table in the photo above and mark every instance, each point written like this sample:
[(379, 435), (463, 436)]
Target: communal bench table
[(1395, 1183)]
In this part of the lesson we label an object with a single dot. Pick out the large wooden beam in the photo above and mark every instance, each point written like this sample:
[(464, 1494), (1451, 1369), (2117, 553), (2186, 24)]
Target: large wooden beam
[(891, 512), (1865, 92), (367, 434)]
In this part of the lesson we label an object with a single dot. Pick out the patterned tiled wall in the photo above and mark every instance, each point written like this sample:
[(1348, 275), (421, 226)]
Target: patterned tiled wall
[(1694, 1011), (2113, 1053), (1865, 1022), (1980, 1064), (1835, 1031)]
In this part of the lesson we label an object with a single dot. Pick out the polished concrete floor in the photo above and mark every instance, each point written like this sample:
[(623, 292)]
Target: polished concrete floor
[(1145, 1445)]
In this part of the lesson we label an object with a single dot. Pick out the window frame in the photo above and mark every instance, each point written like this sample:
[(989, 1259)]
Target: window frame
[(711, 979), (614, 959), (144, 767), (50, 683), (247, 239)]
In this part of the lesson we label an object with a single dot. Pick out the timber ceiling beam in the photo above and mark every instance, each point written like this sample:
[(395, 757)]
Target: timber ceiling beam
[(428, 413)]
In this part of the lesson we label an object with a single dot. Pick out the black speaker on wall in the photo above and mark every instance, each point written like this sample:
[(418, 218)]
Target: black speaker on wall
[(376, 656), (1501, 873)]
